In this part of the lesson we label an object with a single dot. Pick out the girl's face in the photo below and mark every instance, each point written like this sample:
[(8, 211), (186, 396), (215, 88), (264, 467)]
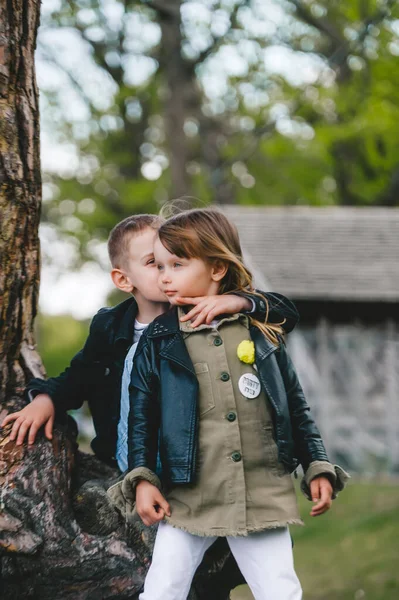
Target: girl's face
[(179, 277)]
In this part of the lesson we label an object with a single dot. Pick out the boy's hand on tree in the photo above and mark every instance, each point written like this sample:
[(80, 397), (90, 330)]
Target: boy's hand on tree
[(206, 308), (39, 412), (321, 491), (151, 506)]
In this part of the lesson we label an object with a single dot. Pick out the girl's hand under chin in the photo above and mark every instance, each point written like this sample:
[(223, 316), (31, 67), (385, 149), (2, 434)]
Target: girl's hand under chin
[(207, 308)]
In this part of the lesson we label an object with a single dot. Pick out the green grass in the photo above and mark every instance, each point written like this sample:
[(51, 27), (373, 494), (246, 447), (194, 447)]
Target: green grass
[(352, 552)]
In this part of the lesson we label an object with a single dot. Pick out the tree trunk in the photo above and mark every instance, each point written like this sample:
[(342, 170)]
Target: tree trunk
[(20, 194), (180, 96), (59, 536), (183, 101), (212, 140)]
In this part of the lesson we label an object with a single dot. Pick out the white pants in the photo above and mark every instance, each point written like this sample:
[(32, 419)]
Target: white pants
[(265, 560)]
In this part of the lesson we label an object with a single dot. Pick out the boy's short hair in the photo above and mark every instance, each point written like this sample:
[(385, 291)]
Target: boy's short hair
[(118, 240)]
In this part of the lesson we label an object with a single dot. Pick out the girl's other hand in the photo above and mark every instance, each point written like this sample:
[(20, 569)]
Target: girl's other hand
[(321, 491), (151, 506), (206, 308)]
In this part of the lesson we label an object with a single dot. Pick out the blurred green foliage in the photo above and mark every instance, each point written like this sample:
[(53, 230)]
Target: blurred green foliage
[(59, 338), (350, 553), (292, 102)]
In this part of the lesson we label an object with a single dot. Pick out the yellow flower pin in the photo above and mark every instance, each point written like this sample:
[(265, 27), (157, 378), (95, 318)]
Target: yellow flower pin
[(246, 352)]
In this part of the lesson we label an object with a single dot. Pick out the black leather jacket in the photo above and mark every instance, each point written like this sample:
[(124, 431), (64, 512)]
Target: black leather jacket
[(95, 372), (163, 404)]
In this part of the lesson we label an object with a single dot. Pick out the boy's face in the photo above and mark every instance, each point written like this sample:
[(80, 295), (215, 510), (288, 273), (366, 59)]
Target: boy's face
[(184, 276), (139, 274)]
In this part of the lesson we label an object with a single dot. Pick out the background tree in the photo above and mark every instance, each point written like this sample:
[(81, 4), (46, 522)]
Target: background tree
[(59, 535), (229, 101)]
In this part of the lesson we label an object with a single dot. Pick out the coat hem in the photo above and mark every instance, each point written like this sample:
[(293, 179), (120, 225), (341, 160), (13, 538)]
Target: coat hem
[(231, 532)]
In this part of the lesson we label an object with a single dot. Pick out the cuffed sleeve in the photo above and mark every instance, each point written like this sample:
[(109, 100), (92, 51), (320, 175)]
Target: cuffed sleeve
[(275, 307), (337, 476), (123, 493), (31, 394)]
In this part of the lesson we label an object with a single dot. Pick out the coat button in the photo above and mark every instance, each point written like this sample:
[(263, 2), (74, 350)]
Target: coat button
[(236, 456), (231, 416), (217, 341), (224, 376)]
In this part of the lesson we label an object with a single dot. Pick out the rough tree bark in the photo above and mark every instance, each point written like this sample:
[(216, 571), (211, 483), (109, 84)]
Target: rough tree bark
[(59, 536)]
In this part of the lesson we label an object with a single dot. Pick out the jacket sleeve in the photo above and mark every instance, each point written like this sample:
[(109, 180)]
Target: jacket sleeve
[(71, 388), (277, 309), (144, 413), (309, 446)]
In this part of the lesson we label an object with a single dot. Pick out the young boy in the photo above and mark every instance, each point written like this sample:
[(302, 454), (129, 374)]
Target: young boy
[(95, 373)]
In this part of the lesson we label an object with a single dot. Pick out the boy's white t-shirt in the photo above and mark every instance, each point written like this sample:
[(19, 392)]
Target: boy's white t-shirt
[(121, 444)]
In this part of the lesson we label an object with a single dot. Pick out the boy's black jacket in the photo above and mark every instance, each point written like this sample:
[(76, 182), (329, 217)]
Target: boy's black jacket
[(95, 373), (163, 414)]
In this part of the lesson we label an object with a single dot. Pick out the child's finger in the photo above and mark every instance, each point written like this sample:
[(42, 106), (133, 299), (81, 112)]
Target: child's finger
[(23, 431), (164, 506), (48, 430), (34, 428), (320, 503), (159, 515), (320, 508), (190, 300), (323, 504), (153, 515), (146, 516), (9, 419), (212, 314), (316, 510), (315, 489), (192, 313), (15, 428), (200, 318), (325, 499)]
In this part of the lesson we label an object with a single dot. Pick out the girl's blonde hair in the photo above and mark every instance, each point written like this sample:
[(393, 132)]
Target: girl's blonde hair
[(207, 234)]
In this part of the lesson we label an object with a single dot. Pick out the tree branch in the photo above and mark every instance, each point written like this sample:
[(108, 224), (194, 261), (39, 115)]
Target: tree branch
[(321, 23), (166, 8), (218, 41)]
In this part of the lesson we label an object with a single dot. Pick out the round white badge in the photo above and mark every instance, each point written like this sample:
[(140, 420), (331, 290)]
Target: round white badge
[(249, 385)]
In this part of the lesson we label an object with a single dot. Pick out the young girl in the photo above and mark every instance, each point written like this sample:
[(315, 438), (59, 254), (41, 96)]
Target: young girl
[(222, 406)]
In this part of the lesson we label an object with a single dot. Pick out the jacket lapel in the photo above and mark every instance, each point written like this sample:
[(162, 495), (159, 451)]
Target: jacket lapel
[(176, 352), (173, 347), (264, 353), (263, 346)]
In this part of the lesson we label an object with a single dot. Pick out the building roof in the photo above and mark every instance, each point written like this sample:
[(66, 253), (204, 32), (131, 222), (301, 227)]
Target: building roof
[(326, 253)]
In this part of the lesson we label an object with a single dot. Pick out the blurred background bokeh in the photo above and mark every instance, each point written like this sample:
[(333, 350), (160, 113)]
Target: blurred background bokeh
[(286, 114)]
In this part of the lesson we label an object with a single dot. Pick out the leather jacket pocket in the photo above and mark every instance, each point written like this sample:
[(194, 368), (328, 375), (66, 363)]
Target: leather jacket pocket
[(206, 400)]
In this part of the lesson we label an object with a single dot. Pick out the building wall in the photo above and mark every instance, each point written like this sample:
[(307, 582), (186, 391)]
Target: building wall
[(350, 374)]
